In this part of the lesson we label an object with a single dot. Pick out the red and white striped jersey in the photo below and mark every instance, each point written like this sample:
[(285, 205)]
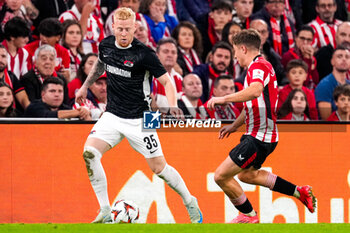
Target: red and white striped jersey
[(19, 64), (94, 31), (324, 32), (159, 90), (261, 112)]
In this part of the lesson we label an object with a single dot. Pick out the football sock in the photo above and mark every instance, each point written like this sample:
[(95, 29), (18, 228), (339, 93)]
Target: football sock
[(243, 205), (96, 174), (283, 186), (175, 181), (296, 193)]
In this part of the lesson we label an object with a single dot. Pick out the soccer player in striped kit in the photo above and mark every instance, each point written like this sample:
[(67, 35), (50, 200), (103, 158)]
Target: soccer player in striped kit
[(260, 103)]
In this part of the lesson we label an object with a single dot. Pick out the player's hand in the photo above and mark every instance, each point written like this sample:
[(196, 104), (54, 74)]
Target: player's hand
[(177, 113), (80, 96), (226, 131), (84, 114), (214, 101)]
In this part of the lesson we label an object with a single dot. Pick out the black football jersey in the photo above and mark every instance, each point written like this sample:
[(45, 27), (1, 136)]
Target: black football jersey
[(129, 77)]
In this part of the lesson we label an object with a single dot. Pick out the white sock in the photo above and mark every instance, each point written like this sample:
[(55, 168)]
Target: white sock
[(296, 193), (175, 181), (97, 175)]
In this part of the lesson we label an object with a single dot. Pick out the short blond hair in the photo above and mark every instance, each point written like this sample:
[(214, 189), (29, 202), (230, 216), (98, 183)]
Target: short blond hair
[(124, 13)]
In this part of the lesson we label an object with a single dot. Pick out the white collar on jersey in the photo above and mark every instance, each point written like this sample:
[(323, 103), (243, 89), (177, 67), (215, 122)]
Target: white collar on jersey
[(120, 47)]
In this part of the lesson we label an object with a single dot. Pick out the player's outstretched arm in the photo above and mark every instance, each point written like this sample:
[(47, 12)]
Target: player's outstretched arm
[(228, 129), (253, 91), (170, 93), (96, 71)]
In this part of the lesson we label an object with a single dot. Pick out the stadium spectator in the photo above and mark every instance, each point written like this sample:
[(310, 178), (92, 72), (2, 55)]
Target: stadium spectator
[(281, 29), (142, 34), (20, 8), (6, 101), (190, 102), (325, 25), (50, 31), (303, 50), (50, 105), (295, 108), (6, 76), (297, 74), (341, 97), (230, 30), (49, 9), (189, 44), (309, 12), (72, 39), (159, 21), (324, 90), (324, 54), (92, 27), (219, 61), (242, 11), (44, 67), (223, 85), (268, 52), (16, 37), (96, 99), (197, 8), (167, 54), (211, 24), (84, 69)]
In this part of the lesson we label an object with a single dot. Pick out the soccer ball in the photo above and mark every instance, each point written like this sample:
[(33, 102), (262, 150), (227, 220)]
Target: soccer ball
[(124, 212)]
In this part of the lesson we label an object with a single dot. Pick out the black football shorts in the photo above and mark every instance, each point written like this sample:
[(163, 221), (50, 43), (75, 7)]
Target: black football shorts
[(251, 152)]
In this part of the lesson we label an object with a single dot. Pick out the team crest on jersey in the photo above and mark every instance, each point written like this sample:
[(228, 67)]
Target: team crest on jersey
[(128, 63)]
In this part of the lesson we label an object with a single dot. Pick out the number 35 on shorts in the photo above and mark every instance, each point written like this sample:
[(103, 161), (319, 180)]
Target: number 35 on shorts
[(151, 142)]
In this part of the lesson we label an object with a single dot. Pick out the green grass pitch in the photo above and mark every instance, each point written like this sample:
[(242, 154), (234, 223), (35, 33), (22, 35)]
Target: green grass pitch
[(176, 228)]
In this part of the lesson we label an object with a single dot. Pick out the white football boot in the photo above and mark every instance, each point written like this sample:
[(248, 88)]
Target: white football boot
[(194, 211), (104, 215)]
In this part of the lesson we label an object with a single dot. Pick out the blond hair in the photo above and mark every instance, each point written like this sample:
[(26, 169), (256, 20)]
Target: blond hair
[(124, 13)]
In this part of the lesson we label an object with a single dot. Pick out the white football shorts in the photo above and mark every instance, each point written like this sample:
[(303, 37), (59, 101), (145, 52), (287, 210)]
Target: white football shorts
[(113, 129)]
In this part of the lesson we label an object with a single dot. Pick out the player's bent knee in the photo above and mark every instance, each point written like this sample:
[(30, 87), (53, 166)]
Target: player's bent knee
[(218, 178)]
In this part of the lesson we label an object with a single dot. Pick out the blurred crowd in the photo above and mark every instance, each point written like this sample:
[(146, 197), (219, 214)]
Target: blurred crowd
[(48, 48)]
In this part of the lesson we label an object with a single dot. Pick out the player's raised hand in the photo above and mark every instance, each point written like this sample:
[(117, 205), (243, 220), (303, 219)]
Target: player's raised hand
[(177, 113), (214, 101), (80, 96), (84, 114), (226, 131)]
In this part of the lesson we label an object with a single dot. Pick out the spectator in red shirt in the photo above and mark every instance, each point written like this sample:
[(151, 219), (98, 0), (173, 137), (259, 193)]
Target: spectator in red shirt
[(50, 31), (16, 37), (295, 107), (304, 50), (84, 69), (72, 40), (297, 73), (341, 97)]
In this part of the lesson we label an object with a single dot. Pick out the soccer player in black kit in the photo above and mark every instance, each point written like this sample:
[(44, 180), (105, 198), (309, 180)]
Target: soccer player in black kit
[(129, 65)]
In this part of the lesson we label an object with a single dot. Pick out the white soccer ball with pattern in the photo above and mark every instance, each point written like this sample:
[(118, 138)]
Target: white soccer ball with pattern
[(124, 212)]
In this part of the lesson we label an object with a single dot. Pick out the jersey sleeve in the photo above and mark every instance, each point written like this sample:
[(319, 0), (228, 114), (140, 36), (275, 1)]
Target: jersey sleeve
[(153, 65), (258, 73)]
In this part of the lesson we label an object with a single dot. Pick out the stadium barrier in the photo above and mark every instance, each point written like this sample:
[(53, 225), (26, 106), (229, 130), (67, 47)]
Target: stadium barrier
[(44, 179)]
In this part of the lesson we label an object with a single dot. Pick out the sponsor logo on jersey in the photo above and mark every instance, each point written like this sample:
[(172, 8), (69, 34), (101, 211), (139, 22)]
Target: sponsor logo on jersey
[(128, 63), (117, 71), (151, 120)]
